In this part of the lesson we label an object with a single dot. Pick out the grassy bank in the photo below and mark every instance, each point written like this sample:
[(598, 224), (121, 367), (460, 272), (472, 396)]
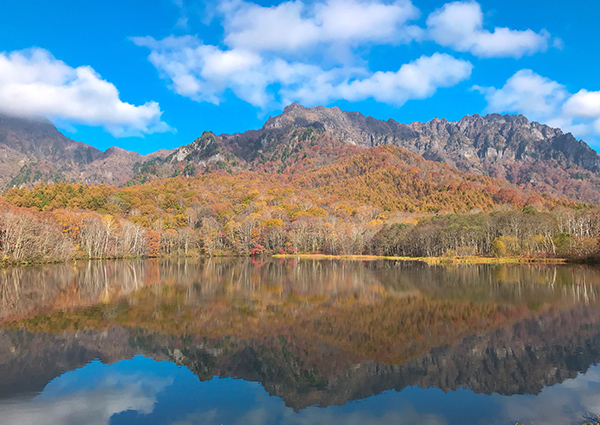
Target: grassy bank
[(431, 260), (427, 260)]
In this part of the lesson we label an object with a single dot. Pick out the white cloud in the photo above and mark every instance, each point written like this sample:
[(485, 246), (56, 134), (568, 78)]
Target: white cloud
[(317, 51), (203, 73), (295, 25), (34, 83), (459, 25), (546, 101), (528, 93), (584, 104), (268, 28), (416, 80)]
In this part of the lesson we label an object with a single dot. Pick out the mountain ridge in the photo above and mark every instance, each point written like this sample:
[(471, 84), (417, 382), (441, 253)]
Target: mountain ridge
[(368, 131), (32, 150), (509, 147), (534, 156)]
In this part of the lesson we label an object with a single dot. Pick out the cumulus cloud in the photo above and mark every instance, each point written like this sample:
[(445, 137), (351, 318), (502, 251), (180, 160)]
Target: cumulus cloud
[(416, 80), (204, 72), (459, 25), (34, 83), (528, 93), (584, 104), (295, 25), (547, 101), (317, 51)]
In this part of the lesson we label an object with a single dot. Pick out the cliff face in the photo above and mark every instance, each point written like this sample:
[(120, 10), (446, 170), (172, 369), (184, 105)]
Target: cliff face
[(509, 147)]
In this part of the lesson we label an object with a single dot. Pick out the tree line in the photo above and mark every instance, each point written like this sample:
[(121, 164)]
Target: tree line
[(526, 232), (30, 235), (385, 202)]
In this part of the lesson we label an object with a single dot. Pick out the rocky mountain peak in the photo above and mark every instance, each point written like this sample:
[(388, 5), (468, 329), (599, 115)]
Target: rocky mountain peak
[(510, 147), (532, 155), (292, 107), (295, 115)]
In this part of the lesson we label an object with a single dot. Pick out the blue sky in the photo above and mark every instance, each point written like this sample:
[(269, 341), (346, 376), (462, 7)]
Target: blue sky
[(146, 75)]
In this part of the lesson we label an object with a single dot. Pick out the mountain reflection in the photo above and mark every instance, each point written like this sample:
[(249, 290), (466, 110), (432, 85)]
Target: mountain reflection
[(311, 332)]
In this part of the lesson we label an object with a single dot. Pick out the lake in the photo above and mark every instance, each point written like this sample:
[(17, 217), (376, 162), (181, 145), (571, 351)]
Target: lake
[(298, 341)]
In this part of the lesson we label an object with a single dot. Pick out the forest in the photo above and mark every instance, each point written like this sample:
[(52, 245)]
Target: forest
[(384, 201)]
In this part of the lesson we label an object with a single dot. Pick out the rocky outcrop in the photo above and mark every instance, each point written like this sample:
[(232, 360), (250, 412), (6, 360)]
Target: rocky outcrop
[(510, 147)]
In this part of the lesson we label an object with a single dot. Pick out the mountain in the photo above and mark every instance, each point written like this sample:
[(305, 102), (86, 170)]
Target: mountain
[(474, 144), (533, 156), (509, 147), (34, 151)]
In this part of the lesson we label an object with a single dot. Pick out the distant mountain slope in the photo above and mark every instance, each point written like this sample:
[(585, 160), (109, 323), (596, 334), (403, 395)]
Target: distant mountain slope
[(393, 178), (34, 151), (26, 142)]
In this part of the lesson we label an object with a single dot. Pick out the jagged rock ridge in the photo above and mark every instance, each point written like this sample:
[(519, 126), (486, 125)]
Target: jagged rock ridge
[(510, 147)]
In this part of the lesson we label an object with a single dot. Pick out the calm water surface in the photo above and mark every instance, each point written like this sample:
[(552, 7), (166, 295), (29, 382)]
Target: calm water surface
[(238, 341)]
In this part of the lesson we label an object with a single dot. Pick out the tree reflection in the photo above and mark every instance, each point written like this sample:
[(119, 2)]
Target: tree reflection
[(309, 330)]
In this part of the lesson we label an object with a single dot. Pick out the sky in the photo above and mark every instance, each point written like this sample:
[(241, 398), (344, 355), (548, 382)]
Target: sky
[(145, 75)]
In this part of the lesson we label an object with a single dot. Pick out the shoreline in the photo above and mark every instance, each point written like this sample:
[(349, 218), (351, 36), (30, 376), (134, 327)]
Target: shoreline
[(432, 260), (427, 260)]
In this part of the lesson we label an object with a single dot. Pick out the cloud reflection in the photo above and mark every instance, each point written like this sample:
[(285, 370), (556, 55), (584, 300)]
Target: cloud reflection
[(72, 399), (271, 410), (560, 404), (161, 392)]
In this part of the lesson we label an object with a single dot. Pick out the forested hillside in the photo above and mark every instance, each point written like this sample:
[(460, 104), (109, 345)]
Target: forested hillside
[(314, 180), (384, 200)]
